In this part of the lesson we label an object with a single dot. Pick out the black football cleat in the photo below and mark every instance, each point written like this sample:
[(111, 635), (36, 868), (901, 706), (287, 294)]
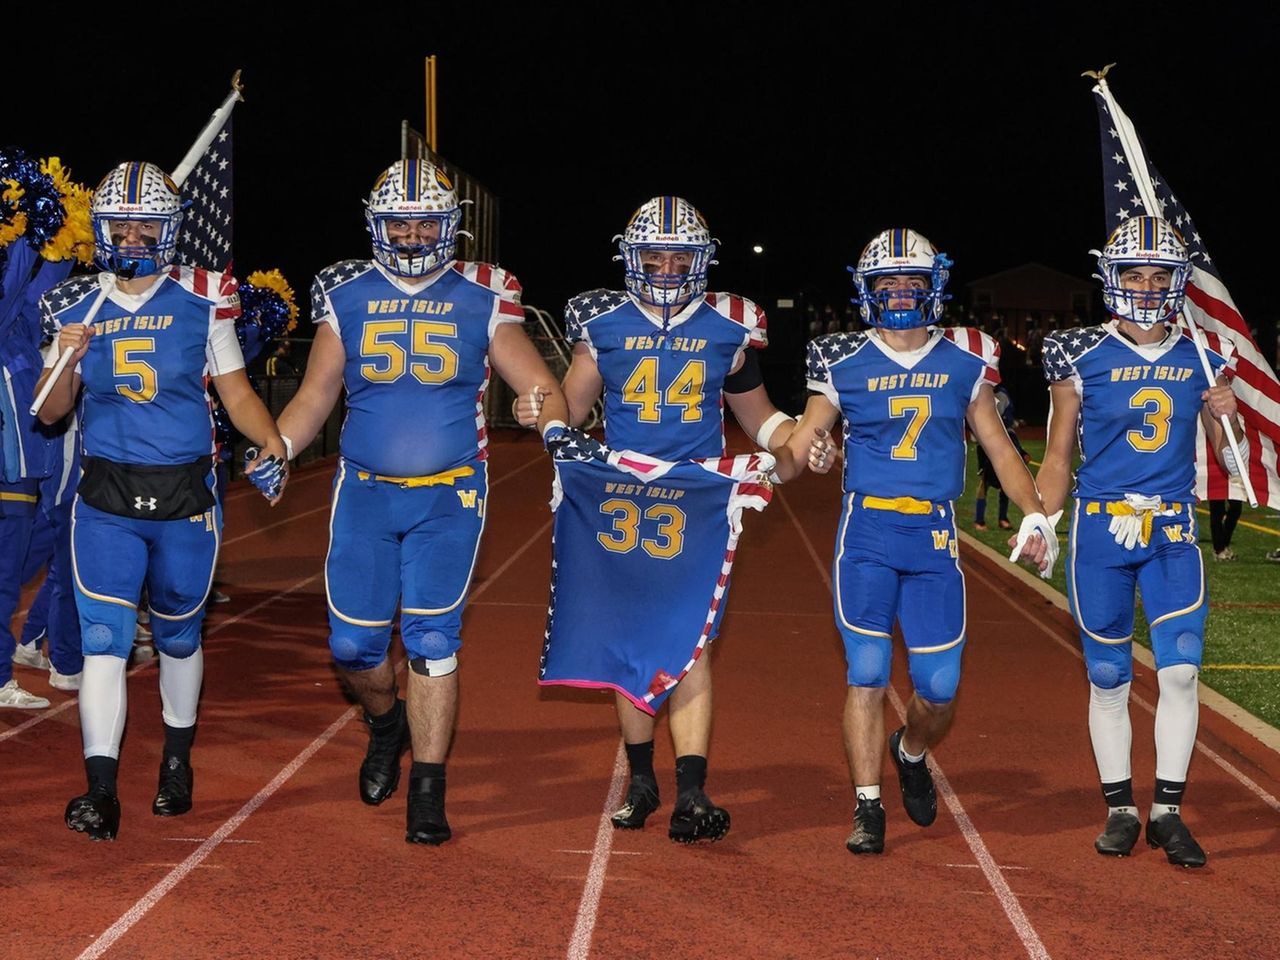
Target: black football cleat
[(1118, 837), (868, 828), (426, 822), (918, 794), (642, 800), (380, 771), (96, 813), (173, 795), (696, 818), (1170, 833)]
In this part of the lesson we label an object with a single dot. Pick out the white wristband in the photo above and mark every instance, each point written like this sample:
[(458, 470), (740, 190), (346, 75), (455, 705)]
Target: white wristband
[(288, 447), (554, 423), (769, 426)]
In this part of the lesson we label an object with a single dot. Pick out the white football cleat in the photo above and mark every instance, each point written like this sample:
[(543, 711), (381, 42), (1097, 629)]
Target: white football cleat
[(12, 695)]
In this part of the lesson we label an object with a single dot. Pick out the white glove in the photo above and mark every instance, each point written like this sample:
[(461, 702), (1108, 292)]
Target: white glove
[(1032, 524), (1127, 528)]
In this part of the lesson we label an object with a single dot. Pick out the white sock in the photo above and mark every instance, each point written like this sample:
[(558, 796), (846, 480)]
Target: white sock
[(1177, 717), (1158, 810), (1110, 731), (180, 681), (867, 793), (103, 705), (909, 757)]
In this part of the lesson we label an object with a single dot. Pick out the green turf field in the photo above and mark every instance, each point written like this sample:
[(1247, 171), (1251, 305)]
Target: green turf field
[(1242, 652)]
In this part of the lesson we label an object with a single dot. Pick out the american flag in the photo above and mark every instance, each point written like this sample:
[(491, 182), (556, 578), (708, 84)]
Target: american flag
[(1132, 186), (205, 240)]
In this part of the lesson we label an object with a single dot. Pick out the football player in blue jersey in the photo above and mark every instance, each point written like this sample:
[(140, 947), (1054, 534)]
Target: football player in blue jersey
[(905, 389), (145, 335), (1130, 392), (665, 352), (411, 335)]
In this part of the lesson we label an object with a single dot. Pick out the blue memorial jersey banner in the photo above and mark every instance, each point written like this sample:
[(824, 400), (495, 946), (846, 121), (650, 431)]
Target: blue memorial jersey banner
[(643, 549)]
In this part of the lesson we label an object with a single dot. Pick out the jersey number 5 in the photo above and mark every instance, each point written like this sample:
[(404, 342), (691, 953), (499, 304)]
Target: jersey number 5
[(125, 364), (432, 362), (669, 537)]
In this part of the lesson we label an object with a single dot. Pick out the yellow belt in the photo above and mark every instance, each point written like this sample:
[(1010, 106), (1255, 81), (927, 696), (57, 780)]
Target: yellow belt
[(436, 479), (19, 497), (899, 504)]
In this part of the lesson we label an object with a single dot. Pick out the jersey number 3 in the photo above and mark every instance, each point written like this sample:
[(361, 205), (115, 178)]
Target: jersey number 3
[(1155, 432)]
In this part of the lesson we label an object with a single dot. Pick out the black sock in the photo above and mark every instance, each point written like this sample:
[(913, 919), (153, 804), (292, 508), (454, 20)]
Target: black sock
[(1169, 792), (388, 721), (691, 773), (177, 742), (1119, 794), (101, 770), (640, 758), (426, 771)]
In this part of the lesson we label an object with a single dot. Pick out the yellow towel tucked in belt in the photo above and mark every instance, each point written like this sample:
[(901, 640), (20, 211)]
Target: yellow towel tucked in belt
[(898, 504)]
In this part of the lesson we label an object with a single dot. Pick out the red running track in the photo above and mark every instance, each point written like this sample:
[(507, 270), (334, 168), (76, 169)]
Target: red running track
[(280, 859)]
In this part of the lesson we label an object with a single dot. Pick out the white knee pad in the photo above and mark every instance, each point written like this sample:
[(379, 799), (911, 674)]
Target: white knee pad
[(1110, 731)]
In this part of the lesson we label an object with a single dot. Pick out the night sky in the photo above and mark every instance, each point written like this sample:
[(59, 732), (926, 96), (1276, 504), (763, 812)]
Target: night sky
[(800, 132)]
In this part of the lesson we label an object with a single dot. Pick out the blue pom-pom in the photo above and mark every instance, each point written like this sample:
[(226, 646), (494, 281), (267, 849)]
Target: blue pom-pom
[(264, 316), (40, 201)]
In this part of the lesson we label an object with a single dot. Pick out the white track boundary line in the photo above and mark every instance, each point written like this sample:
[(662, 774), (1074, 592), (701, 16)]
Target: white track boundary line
[(1226, 765), (175, 876), (68, 704), (589, 905), (1209, 697), (1004, 893)]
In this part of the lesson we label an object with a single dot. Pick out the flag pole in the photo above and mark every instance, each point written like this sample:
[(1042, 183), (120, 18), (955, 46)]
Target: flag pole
[(106, 280), (1146, 192), (183, 169)]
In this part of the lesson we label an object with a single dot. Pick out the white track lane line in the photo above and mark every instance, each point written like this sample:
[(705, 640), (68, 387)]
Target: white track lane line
[(589, 905), (68, 704), (176, 875), (1004, 893)]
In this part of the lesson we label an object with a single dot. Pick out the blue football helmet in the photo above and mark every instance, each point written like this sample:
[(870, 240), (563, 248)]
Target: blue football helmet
[(414, 190), (666, 251), (137, 212), (1144, 242), (901, 252)]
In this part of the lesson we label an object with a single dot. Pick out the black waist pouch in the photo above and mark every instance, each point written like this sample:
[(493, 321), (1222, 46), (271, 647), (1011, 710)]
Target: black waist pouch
[(147, 492)]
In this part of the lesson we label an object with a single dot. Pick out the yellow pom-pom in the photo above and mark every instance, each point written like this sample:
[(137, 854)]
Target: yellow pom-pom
[(75, 238), (274, 280)]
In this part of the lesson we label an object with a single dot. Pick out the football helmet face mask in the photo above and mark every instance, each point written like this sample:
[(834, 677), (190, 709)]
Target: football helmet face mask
[(136, 214), (666, 251), (1144, 242), (413, 215), (901, 253)]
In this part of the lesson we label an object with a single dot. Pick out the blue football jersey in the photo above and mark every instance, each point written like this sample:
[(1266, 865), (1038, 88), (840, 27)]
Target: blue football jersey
[(904, 413), (1139, 408), (643, 553), (417, 361), (663, 388), (146, 369)]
